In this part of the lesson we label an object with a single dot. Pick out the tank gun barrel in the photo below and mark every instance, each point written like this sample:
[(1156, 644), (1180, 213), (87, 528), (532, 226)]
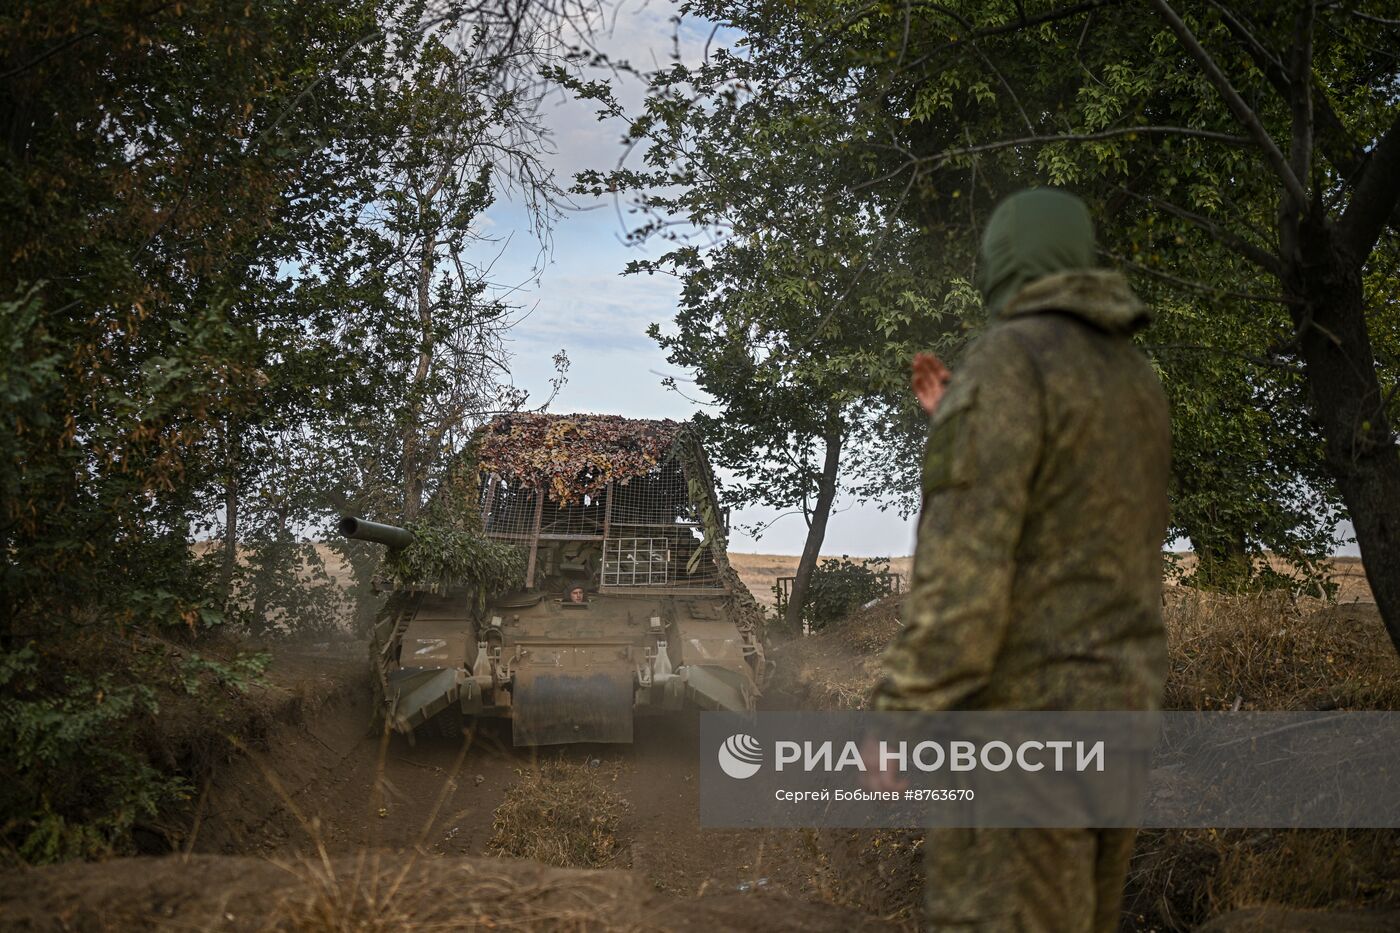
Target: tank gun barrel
[(391, 536)]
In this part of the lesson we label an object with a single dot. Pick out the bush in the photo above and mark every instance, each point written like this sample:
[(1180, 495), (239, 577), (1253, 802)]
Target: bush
[(75, 781), (839, 585), (103, 735)]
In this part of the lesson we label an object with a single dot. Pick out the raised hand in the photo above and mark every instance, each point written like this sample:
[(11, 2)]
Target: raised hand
[(930, 378)]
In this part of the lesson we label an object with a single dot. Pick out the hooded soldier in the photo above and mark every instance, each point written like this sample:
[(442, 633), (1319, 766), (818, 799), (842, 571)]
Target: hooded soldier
[(1038, 572)]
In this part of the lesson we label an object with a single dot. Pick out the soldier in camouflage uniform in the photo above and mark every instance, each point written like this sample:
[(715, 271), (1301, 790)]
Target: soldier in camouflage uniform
[(1038, 573)]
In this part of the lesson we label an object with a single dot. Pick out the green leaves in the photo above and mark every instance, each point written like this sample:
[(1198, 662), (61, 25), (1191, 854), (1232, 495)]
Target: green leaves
[(75, 730), (443, 558), (211, 314), (896, 134), (840, 585)]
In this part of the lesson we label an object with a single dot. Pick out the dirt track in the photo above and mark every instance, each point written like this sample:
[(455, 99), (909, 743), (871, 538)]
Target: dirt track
[(319, 796), (323, 789), (351, 790)]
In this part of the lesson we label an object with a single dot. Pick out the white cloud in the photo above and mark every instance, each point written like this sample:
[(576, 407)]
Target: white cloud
[(597, 312)]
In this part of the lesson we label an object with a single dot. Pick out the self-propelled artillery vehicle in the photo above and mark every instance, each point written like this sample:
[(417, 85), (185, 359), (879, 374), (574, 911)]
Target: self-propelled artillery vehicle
[(629, 604)]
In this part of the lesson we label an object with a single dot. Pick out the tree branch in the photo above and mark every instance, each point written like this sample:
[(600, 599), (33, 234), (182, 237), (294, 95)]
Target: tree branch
[(1376, 197), (949, 154), (1292, 186), (1329, 132), (1213, 290), (1049, 16), (1300, 98), (75, 39), (1374, 19), (1255, 254), (986, 60), (1286, 366), (1267, 61)]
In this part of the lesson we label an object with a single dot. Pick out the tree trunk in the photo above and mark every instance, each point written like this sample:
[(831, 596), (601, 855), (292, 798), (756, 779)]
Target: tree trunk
[(231, 492), (1351, 408), (1222, 559), (816, 529), (413, 465)]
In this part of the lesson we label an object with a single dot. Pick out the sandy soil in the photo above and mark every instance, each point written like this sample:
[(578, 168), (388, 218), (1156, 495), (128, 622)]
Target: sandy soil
[(348, 791), (760, 571)]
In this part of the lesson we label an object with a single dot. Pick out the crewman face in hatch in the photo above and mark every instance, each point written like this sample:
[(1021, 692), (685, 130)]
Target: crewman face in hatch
[(576, 595)]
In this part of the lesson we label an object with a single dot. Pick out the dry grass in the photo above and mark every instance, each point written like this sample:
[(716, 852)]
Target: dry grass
[(836, 668), (1264, 652), (562, 813), (373, 892), (385, 894), (760, 571), (1182, 878), (1268, 652), (876, 871), (1273, 652)]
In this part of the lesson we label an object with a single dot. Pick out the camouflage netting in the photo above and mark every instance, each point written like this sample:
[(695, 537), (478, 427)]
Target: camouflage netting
[(572, 456)]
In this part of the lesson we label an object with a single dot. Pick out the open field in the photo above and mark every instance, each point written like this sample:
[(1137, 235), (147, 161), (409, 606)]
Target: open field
[(1257, 652), (760, 571)]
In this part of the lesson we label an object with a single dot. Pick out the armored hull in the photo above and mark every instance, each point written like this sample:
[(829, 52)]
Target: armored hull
[(567, 672), (629, 604)]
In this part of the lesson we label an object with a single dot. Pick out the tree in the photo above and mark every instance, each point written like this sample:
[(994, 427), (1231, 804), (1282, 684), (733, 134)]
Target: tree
[(799, 306), (1271, 138), (1273, 255), (155, 163), (383, 349), (805, 369), (189, 342), (426, 217)]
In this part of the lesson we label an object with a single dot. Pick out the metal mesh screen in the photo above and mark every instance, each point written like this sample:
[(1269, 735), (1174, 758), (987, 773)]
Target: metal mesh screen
[(659, 499), (646, 531), (636, 562), (508, 511), (672, 558), (581, 520)]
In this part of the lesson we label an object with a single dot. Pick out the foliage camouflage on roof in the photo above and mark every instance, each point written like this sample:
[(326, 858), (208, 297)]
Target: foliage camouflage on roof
[(572, 456)]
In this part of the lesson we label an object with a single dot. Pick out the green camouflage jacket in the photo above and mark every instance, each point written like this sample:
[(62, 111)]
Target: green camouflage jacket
[(1038, 573)]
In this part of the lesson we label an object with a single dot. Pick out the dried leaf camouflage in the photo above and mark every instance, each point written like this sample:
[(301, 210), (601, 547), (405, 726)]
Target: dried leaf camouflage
[(572, 456)]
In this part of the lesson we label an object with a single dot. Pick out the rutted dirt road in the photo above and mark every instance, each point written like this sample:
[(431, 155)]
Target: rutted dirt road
[(323, 802), (351, 790), (323, 825)]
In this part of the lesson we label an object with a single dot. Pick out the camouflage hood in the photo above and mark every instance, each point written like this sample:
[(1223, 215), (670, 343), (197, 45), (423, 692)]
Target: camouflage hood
[(1097, 296), (1038, 256)]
